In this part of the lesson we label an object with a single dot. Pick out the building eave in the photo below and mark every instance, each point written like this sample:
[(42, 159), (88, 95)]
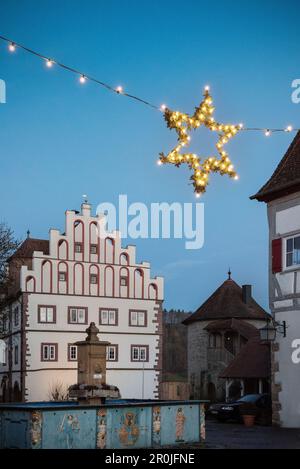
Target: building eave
[(268, 196)]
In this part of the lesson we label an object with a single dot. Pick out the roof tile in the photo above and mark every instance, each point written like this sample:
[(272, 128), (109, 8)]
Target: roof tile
[(29, 246), (253, 361), (226, 303)]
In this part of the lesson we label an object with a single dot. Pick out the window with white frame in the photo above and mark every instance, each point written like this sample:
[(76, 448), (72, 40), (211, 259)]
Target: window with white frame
[(77, 315), (3, 352), (112, 353), (137, 318), (49, 352), (108, 317), (293, 251), (72, 352), (46, 314), (139, 353)]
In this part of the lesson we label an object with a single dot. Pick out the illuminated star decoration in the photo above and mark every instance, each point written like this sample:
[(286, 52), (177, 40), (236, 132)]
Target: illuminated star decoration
[(184, 124)]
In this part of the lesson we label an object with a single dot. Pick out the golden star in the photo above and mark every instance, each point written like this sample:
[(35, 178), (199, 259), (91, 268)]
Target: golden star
[(184, 124)]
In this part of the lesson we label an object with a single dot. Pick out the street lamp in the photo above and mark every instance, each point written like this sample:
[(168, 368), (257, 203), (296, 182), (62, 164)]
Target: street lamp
[(268, 333)]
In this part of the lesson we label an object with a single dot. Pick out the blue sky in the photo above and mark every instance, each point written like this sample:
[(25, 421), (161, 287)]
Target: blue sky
[(60, 140)]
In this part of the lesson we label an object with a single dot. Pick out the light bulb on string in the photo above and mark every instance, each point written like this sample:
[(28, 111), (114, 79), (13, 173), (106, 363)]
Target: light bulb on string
[(82, 79), (268, 133), (12, 47)]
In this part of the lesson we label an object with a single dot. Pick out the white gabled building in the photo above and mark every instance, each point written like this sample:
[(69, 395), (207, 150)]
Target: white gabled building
[(62, 285), (282, 195)]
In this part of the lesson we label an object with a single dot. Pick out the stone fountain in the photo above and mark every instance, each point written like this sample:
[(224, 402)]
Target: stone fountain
[(91, 387), (91, 423)]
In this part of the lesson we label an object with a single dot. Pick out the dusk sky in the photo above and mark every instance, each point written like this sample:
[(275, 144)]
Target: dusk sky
[(59, 139)]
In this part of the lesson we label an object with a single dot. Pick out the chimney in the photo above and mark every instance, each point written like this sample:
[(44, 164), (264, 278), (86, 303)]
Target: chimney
[(85, 206), (86, 209), (247, 294)]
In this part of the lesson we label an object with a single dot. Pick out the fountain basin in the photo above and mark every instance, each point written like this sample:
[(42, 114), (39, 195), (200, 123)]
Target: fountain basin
[(117, 424)]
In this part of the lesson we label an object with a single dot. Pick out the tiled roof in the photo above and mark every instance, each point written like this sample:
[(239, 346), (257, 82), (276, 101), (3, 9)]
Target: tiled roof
[(253, 361), (226, 303), (244, 328), (29, 245), (286, 178)]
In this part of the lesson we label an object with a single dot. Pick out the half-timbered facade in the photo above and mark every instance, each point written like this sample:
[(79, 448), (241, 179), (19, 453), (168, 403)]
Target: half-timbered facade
[(63, 284), (281, 193)]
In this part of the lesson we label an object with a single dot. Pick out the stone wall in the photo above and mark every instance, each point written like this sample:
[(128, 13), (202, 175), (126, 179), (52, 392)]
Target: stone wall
[(197, 358)]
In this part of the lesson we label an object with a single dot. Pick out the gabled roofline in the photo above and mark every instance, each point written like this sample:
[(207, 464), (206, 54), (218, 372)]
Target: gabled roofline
[(251, 311), (279, 185)]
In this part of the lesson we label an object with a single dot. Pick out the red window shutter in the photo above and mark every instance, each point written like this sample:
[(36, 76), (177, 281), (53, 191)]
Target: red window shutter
[(276, 255)]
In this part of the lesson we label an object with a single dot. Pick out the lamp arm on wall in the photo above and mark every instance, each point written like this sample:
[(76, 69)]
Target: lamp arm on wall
[(281, 327)]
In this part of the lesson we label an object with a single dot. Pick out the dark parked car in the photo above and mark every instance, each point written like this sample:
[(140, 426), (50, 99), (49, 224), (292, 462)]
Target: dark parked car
[(261, 403)]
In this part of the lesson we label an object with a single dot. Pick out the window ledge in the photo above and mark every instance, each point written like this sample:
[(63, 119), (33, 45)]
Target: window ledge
[(290, 269)]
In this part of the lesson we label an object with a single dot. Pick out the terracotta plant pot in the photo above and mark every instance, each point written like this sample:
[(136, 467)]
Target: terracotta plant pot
[(249, 420)]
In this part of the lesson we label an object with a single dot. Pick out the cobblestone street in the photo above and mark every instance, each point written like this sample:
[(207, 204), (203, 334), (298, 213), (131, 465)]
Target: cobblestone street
[(237, 436)]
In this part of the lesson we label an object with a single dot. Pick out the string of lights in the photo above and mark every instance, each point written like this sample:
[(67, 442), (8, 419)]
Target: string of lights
[(182, 123), (84, 77)]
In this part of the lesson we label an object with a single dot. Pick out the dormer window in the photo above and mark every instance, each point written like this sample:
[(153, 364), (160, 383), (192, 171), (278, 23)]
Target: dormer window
[(293, 251)]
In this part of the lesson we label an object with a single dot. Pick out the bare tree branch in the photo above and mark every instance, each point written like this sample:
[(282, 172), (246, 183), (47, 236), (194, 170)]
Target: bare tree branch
[(8, 245)]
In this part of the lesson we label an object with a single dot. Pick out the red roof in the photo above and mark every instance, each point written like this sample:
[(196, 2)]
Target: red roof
[(286, 178), (227, 303), (253, 361), (29, 246), (242, 327)]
